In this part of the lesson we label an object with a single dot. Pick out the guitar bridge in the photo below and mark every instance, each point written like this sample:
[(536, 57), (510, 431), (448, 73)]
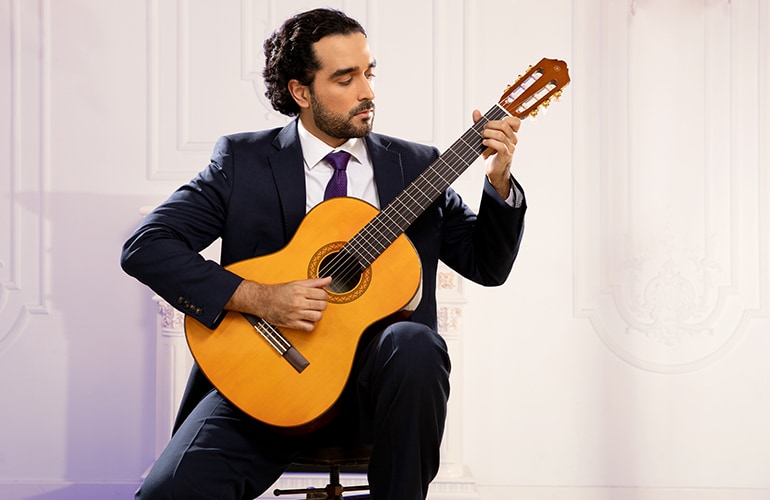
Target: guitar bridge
[(296, 359), (282, 346)]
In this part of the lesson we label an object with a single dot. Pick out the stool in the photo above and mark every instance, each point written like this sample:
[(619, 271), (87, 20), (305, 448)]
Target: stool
[(333, 459)]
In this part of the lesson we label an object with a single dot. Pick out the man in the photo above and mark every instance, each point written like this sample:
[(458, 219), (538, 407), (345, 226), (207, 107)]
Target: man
[(253, 195)]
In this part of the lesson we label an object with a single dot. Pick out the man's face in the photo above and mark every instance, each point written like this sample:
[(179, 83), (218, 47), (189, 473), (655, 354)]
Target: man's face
[(341, 97)]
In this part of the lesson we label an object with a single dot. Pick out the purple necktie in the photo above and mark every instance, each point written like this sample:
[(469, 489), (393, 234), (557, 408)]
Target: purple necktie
[(338, 184)]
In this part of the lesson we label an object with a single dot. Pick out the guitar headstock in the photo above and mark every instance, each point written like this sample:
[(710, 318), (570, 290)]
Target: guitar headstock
[(542, 83)]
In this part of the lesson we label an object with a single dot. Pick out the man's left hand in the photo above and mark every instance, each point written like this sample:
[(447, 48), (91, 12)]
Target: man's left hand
[(500, 138)]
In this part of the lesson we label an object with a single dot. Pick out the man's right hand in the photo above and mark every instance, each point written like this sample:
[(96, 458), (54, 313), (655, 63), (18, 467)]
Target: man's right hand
[(298, 305)]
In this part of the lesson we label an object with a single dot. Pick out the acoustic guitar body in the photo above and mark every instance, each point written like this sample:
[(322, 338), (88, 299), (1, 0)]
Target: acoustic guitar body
[(291, 379), (247, 370)]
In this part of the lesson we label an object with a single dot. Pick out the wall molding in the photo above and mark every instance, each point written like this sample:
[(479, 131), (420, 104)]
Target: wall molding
[(174, 151), (18, 490), (669, 299), (620, 493), (23, 264), (25, 490)]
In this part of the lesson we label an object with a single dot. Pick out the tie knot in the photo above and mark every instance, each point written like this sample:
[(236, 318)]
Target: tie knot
[(338, 159)]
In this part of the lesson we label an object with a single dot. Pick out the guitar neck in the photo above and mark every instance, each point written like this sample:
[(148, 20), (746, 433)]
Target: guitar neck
[(534, 89), (400, 213)]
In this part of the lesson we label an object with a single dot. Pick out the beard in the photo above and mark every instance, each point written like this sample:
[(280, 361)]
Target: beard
[(339, 125)]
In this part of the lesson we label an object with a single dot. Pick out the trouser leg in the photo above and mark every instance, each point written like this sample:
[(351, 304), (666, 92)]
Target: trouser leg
[(218, 453), (399, 393), (403, 387)]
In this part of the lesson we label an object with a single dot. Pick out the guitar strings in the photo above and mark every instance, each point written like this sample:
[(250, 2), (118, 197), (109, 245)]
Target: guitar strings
[(272, 336), (391, 222), (385, 228), (362, 242)]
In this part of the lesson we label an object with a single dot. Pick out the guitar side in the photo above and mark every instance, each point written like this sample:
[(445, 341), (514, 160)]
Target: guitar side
[(249, 372)]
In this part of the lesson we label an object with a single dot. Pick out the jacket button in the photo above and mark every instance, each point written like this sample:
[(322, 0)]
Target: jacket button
[(198, 311), (180, 300)]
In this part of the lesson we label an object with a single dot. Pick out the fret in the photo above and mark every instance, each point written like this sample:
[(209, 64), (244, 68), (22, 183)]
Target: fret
[(536, 88), (394, 219)]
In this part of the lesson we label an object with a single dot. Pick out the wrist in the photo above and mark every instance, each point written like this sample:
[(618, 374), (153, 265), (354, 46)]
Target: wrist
[(245, 297), (502, 184)]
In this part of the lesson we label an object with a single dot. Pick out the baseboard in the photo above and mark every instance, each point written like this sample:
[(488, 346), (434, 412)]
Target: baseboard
[(63, 490), (459, 488), (440, 490), (619, 493), (299, 480)]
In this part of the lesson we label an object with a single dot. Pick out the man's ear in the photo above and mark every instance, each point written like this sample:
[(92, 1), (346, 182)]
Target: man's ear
[(300, 93)]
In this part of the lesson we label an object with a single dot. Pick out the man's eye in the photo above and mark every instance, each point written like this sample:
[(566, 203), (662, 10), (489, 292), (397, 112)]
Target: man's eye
[(370, 76), (346, 82)]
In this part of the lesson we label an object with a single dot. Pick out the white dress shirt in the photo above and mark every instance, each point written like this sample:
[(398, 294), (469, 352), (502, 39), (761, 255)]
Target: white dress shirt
[(318, 172), (359, 171)]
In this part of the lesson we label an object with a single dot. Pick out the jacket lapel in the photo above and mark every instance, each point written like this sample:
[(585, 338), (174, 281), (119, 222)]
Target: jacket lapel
[(288, 169), (388, 170)]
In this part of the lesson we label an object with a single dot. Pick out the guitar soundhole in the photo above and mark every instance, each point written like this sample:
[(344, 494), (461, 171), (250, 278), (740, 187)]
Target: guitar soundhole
[(344, 270)]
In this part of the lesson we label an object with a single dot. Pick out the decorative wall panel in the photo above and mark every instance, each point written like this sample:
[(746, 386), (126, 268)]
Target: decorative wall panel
[(204, 77), (23, 226), (669, 183)]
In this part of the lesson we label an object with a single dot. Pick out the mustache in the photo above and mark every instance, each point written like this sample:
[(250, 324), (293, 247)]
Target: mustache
[(364, 106)]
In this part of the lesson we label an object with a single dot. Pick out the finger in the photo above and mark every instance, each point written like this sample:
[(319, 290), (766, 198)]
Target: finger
[(496, 145), (307, 322), (508, 127), (316, 305), (303, 326), (514, 122), (492, 134), (311, 316), (317, 282), (506, 138), (316, 294)]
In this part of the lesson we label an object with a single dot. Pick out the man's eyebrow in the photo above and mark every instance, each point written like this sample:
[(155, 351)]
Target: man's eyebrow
[(354, 69)]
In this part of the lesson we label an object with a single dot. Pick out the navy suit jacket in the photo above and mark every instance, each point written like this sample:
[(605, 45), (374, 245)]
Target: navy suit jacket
[(252, 196)]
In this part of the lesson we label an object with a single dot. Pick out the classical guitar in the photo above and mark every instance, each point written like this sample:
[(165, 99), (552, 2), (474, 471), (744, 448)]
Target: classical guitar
[(291, 379)]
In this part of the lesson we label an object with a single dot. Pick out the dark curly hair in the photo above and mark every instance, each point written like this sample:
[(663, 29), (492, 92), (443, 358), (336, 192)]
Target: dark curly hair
[(289, 53)]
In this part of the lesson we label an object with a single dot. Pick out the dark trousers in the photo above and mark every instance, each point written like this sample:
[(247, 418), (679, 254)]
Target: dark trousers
[(395, 401)]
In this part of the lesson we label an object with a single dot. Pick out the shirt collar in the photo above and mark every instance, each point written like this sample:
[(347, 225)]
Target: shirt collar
[(314, 149)]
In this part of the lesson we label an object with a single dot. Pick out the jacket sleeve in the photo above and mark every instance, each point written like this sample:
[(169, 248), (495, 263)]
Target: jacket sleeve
[(163, 252), (482, 247)]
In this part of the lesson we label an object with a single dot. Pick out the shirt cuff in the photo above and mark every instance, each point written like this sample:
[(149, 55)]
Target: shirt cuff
[(514, 196)]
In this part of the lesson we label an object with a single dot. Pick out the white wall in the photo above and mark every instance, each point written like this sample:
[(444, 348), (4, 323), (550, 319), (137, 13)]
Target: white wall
[(626, 358)]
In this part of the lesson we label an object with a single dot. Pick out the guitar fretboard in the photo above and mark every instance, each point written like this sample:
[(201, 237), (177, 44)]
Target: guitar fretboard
[(400, 213)]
